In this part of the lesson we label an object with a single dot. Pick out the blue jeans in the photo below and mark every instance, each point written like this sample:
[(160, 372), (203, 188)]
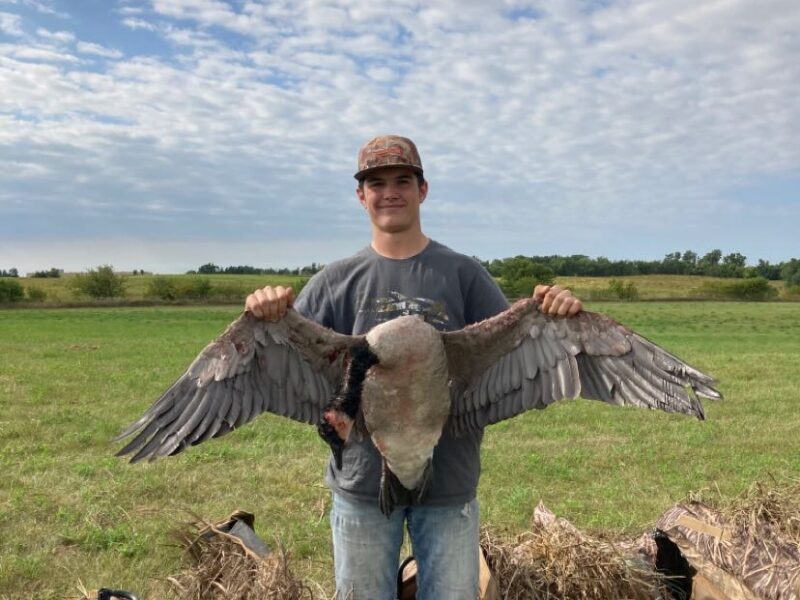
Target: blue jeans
[(366, 549)]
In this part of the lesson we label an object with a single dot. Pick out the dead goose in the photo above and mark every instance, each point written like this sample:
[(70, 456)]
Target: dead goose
[(403, 382)]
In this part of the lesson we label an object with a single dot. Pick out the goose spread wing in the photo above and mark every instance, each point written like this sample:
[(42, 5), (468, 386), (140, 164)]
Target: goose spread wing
[(289, 368), (522, 359)]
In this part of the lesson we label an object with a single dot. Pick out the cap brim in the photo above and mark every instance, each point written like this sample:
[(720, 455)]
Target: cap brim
[(364, 172)]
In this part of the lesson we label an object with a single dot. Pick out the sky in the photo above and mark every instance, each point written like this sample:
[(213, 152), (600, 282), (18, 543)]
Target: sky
[(165, 134)]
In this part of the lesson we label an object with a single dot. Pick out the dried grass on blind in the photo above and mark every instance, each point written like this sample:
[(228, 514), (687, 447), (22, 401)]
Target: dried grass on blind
[(554, 560), (221, 568), (773, 503)]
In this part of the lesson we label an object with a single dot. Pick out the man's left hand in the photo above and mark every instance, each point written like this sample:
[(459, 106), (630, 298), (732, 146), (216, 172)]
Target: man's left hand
[(557, 301)]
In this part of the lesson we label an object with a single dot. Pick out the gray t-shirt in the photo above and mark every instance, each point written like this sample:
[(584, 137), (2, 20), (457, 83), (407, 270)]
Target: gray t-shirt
[(449, 290)]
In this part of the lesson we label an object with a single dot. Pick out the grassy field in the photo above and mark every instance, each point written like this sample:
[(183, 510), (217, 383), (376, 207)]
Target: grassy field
[(656, 287), (234, 287), (72, 378)]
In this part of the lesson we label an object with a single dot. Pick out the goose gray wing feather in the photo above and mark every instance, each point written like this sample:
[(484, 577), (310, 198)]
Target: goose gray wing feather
[(522, 359), (289, 368)]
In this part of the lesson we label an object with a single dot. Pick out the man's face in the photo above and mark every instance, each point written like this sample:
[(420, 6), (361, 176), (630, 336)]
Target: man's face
[(392, 196)]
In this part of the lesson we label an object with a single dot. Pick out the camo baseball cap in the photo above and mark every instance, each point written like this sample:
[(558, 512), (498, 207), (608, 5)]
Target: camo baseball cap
[(388, 151)]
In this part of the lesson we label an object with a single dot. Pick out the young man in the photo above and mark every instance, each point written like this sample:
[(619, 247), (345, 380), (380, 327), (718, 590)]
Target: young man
[(402, 272)]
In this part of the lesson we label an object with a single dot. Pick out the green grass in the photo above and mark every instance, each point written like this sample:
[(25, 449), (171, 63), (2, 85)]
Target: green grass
[(72, 378)]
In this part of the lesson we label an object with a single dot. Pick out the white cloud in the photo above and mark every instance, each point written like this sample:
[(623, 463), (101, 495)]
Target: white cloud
[(33, 53), (41, 7), (192, 38), (212, 13), (18, 169), (10, 24), (250, 126), (98, 50), (64, 37), (134, 23), (130, 10), (382, 74)]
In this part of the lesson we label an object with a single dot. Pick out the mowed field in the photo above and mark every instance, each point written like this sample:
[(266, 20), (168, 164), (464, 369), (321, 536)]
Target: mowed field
[(71, 512)]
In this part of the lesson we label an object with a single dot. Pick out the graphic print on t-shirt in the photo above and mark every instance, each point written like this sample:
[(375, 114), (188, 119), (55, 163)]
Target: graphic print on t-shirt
[(397, 305)]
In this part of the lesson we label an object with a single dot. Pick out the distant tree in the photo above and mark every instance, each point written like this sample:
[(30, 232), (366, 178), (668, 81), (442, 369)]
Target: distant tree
[(243, 270), (602, 266), (712, 258), (10, 291), (688, 262), (208, 269), (790, 272), (12, 272), (578, 265), (736, 259), (709, 264), (101, 282), (520, 274), (768, 271), (689, 258), (732, 265), (52, 273), (647, 267), (672, 264), (514, 268)]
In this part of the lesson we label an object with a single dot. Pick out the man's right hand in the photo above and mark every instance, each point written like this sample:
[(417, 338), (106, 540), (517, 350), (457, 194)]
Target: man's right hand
[(270, 303)]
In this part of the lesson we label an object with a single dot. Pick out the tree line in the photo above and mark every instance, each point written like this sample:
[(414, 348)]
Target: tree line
[(711, 264), (518, 274), (212, 269), (516, 277)]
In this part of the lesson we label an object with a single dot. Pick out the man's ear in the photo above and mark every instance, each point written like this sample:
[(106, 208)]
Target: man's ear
[(423, 191), (361, 198)]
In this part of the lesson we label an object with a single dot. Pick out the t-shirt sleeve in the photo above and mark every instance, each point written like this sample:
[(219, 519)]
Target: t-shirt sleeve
[(484, 298), (313, 301)]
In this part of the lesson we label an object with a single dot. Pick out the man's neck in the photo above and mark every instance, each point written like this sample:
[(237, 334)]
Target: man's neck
[(399, 246)]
